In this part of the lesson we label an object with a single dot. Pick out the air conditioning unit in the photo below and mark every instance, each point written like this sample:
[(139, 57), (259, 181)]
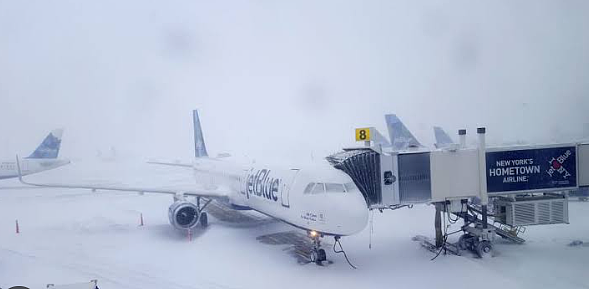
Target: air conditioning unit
[(532, 210)]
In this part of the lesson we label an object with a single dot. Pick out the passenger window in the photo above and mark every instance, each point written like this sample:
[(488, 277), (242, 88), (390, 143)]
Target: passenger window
[(335, 188), (309, 188), (319, 189)]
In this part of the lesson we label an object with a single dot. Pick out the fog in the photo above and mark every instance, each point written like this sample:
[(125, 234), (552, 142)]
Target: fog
[(287, 79)]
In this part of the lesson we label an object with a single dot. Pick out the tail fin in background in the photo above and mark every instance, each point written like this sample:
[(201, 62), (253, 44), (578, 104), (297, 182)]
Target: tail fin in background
[(200, 150), (442, 138), (378, 138), (401, 137), (49, 148)]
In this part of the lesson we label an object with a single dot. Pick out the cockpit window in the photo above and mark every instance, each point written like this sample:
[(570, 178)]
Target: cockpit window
[(318, 189), (334, 188), (309, 188), (350, 187)]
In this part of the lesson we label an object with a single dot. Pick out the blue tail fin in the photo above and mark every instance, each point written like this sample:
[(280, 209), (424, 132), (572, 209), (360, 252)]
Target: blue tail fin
[(49, 148), (442, 138), (401, 137), (200, 150)]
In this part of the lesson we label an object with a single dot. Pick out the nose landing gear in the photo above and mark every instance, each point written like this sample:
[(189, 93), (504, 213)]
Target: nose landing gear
[(317, 254)]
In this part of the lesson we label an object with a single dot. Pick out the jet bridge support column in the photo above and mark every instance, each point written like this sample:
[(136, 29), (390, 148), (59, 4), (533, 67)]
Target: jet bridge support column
[(438, 225), (462, 136), (483, 175)]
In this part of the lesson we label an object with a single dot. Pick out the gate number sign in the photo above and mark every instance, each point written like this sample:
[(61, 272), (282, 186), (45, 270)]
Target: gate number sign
[(363, 134)]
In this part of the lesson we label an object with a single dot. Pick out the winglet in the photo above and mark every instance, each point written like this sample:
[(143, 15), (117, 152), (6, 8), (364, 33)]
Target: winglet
[(19, 171)]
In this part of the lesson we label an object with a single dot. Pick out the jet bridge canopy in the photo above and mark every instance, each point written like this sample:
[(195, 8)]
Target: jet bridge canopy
[(363, 166)]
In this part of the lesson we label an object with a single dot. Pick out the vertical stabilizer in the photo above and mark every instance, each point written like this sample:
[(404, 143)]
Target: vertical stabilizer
[(442, 138), (49, 148), (200, 150), (401, 137)]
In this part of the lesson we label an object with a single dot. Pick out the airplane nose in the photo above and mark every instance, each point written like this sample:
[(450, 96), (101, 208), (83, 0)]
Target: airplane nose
[(357, 214)]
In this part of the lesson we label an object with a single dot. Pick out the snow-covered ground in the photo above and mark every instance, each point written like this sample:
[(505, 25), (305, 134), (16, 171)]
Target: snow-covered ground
[(70, 236)]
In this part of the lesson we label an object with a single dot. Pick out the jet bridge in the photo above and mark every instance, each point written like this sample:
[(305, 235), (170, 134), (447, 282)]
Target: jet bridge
[(412, 177), (515, 186), (387, 180)]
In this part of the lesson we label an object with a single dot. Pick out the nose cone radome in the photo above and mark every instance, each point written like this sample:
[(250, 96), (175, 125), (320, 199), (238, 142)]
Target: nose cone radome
[(352, 214), (358, 214)]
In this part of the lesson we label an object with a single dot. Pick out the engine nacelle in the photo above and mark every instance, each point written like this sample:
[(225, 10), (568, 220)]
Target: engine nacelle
[(183, 215)]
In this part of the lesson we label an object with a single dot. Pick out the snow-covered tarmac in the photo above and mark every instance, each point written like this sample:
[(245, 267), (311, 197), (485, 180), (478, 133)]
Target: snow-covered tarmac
[(70, 236)]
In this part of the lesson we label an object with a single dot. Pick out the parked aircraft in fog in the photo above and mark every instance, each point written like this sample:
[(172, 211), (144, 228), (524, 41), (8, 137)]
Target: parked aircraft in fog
[(42, 159), (322, 200)]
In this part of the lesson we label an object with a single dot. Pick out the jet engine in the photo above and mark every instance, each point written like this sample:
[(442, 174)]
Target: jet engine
[(183, 215)]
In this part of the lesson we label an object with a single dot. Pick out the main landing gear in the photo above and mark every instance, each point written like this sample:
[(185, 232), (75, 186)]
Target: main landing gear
[(317, 255), (203, 218)]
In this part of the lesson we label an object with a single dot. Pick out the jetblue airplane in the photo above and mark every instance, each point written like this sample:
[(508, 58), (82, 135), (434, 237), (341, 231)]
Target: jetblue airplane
[(42, 159), (321, 200)]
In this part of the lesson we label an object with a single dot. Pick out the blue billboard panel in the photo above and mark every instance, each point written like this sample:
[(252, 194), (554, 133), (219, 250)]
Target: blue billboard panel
[(531, 169)]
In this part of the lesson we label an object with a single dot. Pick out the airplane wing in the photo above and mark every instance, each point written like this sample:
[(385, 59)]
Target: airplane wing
[(212, 194), (173, 164), (18, 188)]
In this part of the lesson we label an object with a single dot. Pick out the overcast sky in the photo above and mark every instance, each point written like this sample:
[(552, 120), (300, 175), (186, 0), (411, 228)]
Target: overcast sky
[(286, 78)]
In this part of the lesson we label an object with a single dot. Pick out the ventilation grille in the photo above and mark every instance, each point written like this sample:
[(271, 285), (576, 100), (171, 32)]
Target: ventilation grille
[(524, 213), (538, 210)]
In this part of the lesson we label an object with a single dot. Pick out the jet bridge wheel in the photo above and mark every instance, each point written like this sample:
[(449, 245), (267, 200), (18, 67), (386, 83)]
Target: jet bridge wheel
[(484, 249), (465, 242), (204, 220)]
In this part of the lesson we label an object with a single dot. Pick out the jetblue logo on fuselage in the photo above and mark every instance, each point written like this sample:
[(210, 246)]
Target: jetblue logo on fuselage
[(261, 184)]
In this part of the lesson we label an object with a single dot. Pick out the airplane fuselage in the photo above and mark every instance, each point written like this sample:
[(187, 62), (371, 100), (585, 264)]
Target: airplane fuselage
[(321, 199), (8, 169)]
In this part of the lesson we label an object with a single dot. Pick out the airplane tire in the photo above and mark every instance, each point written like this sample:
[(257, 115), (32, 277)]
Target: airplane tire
[(314, 256), (204, 220), (321, 255)]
